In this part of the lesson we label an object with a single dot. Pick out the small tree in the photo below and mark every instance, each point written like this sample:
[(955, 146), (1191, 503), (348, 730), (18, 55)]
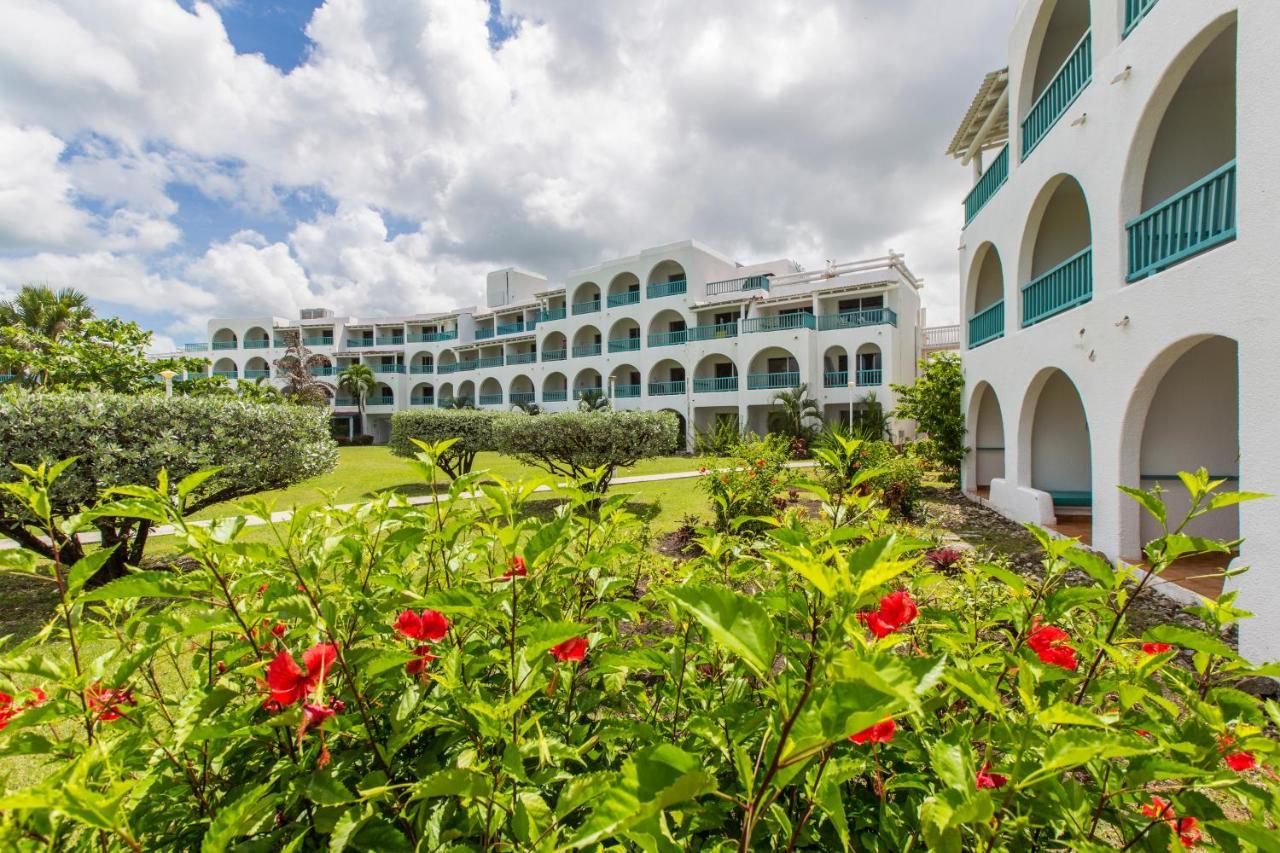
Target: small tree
[(359, 381), (118, 440), (594, 401), (933, 402), (473, 429), (573, 444), (794, 414), (300, 386)]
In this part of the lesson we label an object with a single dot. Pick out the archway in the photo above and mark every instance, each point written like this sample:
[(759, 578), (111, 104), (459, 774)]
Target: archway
[(773, 368), (1059, 455), (256, 368), (835, 367), (666, 378), (422, 362), (624, 336), (1057, 256), (226, 368), (586, 298), (490, 392), (555, 347), (984, 299), (223, 339), (587, 381), (257, 338), (423, 394), (1181, 173), (1056, 67), (555, 388), (624, 290), (667, 278), (986, 427), (668, 328), (869, 364), (624, 382), (715, 373), (521, 391), (586, 342)]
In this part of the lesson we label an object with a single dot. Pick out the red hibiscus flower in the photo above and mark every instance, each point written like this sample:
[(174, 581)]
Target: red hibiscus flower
[(881, 732), (418, 664), (518, 569), (105, 702), (575, 649), (279, 630), (289, 683), (896, 610), (8, 710), (1050, 644), (1241, 761), (986, 779), (1186, 828), (1155, 648), (1158, 808), (313, 716), (431, 625)]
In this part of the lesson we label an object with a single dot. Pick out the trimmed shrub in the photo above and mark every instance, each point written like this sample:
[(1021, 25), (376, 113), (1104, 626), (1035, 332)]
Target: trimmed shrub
[(748, 487), (473, 429), (572, 444), (119, 439)]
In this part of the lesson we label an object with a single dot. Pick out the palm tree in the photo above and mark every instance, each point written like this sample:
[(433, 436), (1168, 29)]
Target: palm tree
[(794, 412), (259, 391), (41, 310), (871, 423), (359, 381), (527, 407), (295, 368), (593, 400)]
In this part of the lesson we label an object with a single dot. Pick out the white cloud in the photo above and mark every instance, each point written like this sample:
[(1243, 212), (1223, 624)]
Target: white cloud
[(811, 127)]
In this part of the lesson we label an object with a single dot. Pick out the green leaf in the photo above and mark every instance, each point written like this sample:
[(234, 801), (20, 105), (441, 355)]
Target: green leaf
[(979, 690), (1067, 714), (1150, 502), (86, 567), (238, 817), (453, 782), (1251, 833), (1188, 638), (545, 635), (139, 585), (1095, 566), (324, 789), (1010, 579), (1072, 747), (736, 622), (191, 482)]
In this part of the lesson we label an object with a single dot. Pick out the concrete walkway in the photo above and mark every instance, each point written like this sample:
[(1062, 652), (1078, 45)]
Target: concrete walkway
[(418, 500)]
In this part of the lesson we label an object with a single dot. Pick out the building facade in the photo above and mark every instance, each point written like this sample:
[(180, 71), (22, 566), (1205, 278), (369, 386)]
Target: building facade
[(1115, 273), (677, 327)]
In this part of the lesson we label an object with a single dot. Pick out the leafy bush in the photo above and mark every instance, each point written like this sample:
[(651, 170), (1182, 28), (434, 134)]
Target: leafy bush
[(745, 489), (893, 477), (720, 440), (933, 402), (473, 430), (475, 675), (586, 444), (118, 440)]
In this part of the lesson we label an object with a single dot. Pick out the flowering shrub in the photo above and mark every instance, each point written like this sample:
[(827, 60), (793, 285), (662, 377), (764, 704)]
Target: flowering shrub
[(869, 467), (472, 675), (743, 491)]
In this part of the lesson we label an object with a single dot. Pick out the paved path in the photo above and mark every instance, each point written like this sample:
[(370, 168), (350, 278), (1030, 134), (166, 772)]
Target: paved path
[(418, 500)]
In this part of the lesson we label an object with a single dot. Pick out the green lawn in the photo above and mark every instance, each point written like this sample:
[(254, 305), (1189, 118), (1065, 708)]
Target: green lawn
[(364, 472)]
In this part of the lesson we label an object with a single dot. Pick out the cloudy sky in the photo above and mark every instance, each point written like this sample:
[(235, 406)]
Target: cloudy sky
[(178, 160)]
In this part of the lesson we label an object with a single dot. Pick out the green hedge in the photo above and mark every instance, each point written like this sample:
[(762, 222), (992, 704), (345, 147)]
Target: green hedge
[(127, 439), (473, 428)]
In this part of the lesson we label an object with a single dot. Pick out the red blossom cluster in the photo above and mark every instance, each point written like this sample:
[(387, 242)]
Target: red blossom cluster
[(105, 702), (1183, 827), (881, 732), (1155, 648), (8, 710), (987, 779), (429, 626), (518, 569), (1238, 760), (897, 609), (290, 683), (1052, 645), (574, 649)]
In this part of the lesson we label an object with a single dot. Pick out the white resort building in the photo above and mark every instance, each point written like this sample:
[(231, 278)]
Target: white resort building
[(1116, 274), (677, 327)]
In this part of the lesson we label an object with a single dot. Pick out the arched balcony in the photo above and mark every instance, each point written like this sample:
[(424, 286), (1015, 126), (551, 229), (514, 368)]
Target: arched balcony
[(223, 339), (256, 368), (715, 374), (257, 338), (624, 336), (668, 328), (555, 347), (555, 388), (667, 378), (869, 366), (984, 299), (586, 342), (490, 392), (773, 368), (586, 298), (1057, 257), (1059, 65), (587, 381), (835, 367), (667, 278), (624, 290), (522, 391), (422, 394), (226, 368), (624, 382)]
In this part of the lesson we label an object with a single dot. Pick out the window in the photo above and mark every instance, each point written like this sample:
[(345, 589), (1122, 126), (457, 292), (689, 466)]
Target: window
[(868, 361), (677, 374), (782, 365), (865, 303), (675, 326), (724, 370)]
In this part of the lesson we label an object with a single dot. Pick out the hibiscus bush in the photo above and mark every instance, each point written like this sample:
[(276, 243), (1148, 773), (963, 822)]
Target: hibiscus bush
[(471, 674), (746, 488)]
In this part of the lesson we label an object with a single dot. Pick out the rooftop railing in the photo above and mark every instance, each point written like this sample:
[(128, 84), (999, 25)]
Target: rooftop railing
[(1067, 285), (1195, 219), (196, 346), (987, 325), (1061, 92), (666, 288), (992, 179), (732, 285), (941, 337)]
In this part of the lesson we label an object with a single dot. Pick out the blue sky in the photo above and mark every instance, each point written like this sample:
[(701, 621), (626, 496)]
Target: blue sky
[(179, 160)]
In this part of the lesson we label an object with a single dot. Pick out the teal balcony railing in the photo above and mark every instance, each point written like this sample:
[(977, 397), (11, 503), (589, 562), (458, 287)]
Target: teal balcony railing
[(322, 371), (344, 402), (835, 379), (1198, 218), (624, 344), (390, 340), (516, 397), (554, 355), (668, 339), (585, 350), (715, 384), (628, 390), (443, 369), (731, 285), (555, 396), (579, 393), (666, 288), (987, 325), (546, 315), (223, 345), (381, 400), (780, 322), (511, 328), (522, 358), (484, 334), (1134, 12), (388, 368), (629, 297), (422, 400), (854, 319), (491, 399), (225, 374), (489, 361), (318, 341), (1061, 92), (260, 344), (769, 381), (196, 346), (444, 402), (992, 179), (712, 332), (432, 337), (869, 376), (588, 307), (256, 374), (357, 343), (422, 368), (666, 389), (279, 342), (1065, 286)]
